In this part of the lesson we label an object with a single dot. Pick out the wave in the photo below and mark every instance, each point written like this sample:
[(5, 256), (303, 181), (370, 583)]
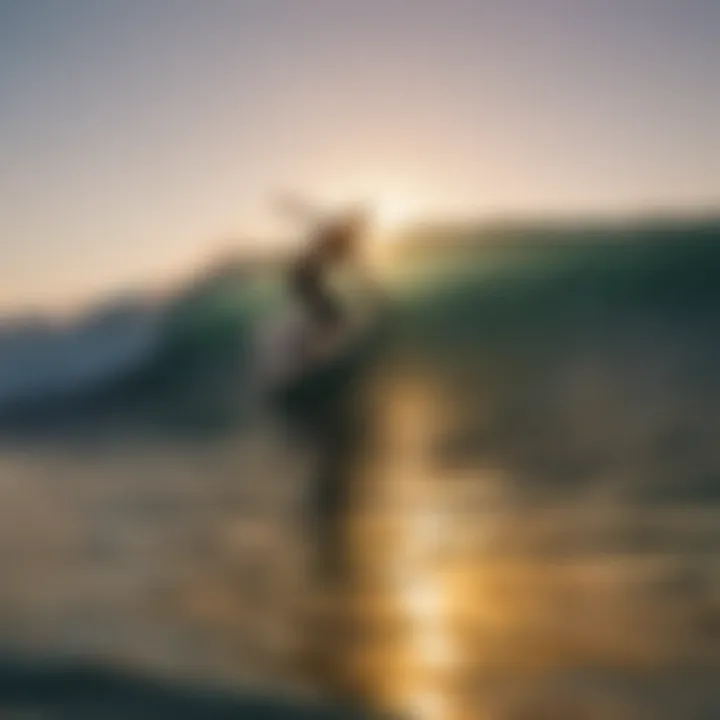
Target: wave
[(131, 351), (195, 354), (48, 362)]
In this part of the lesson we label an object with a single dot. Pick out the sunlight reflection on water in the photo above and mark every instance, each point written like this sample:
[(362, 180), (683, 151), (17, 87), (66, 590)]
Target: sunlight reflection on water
[(473, 599), (412, 674)]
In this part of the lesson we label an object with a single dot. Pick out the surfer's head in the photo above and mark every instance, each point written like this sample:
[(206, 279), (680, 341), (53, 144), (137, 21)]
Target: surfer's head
[(343, 236)]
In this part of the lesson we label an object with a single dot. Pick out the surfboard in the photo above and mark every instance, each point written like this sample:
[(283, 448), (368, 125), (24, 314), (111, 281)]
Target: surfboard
[(293, 348)]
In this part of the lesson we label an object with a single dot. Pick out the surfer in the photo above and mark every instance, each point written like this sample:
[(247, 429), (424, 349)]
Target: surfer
[(320, 324), (333, 243), (322, 400), (328, 356)]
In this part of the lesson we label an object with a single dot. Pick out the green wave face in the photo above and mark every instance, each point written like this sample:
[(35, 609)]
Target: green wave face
[(514, 295)]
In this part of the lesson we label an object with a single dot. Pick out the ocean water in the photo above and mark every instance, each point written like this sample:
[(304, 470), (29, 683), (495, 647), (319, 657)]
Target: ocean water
[(507, 505)]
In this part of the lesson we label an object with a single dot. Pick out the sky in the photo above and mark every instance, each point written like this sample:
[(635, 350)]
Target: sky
[(139, 136)]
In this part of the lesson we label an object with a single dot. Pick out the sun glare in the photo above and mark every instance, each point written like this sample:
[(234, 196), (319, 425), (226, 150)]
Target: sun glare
[(391, 214)]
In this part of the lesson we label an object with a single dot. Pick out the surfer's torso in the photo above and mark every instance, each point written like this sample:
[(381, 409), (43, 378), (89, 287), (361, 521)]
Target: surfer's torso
[(321, 322)]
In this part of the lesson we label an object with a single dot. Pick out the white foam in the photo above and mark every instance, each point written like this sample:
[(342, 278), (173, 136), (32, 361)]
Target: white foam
[(44, 361)]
